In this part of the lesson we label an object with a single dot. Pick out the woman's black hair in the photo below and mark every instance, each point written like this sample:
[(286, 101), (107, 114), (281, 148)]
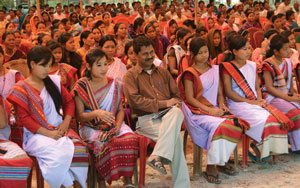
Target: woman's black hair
[(138, 22), (288, 14), (98, 23), (75, 58), (84, 35), (270, 32), (92, 57), (116, 27), (1, 50), (81, 18), (6, 34), (270, 14), (248, 13), (275, 18), (276, 43), (171, 22), (196, 44), (243, 32), (39, 23), (190, 37), (147, 27), (40, 38), (105, 13), (6, 26), (127, 46), (64, 21), (106, 38), (200, 29), (70, 17), (43, 54), (181, 33), (235, 43), (287, 33), (52, 45)]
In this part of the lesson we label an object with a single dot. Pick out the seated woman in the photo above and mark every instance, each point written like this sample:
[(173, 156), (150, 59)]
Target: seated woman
[(14, 162), (278, 85), (259, 54), (67, 72), (268, 126), (210, 123), (293, 53), (8, 77), (215, 42), (99, 108), (69, 52), (177, 51), (38, 100), (109, 26), (156, 43), (251, 22), (121, 37), (97, 36), (170, 30), (9, 48), (116, 68), (87, 43)]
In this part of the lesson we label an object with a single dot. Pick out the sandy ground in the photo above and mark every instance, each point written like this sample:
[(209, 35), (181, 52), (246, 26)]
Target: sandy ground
[(284, 172)]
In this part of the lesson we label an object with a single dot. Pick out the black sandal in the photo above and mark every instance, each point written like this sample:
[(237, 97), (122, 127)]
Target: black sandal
[(156, 164), (212, 178), (227, 169)]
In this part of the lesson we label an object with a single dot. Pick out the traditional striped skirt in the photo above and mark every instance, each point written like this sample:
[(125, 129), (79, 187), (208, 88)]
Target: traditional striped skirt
[(15, 166)]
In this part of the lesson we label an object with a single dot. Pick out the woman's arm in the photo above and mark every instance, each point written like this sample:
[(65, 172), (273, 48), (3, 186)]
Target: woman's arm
[(272, 90), (3, 119), (257, 88), (191, 100), (93, 115), (172, 62)]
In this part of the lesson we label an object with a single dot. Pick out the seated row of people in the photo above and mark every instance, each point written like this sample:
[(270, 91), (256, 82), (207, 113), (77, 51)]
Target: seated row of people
[(220, 103)]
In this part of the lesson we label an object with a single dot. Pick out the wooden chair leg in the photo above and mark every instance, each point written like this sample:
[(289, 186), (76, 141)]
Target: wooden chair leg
[(185, 141), (197, 161), (143, 155), (201, 160), (39, 177), (236, 157), (29, 179), (92, 173), (246, 142), (135, 174)]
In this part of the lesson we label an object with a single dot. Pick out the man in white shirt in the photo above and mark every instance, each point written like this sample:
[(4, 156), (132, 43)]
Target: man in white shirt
[(59, 15), (209, 13), (179, 17), (134, 11), (185, 11), (147, 11), (172, 13), (283, 7)]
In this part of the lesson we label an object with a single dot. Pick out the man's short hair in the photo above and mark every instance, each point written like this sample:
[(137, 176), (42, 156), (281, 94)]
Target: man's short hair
[(139, 42)]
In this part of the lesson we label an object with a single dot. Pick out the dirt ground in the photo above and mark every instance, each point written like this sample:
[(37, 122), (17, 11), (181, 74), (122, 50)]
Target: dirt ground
[(284, 172)]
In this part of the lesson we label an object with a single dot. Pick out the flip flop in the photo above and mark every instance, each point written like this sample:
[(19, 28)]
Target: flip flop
[(156, 164), (129, 186), (229, 170), (262, 161), (216, 178)]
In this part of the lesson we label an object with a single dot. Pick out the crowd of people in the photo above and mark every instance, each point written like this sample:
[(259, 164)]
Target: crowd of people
[(76, 82)]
